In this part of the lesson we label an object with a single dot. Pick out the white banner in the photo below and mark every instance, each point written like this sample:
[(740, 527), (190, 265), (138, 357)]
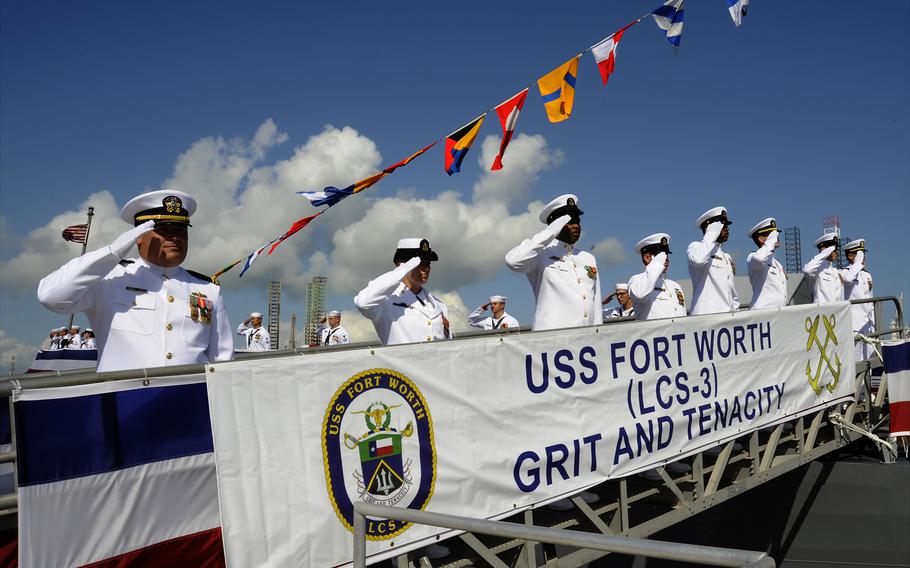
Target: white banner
[(486, 426)]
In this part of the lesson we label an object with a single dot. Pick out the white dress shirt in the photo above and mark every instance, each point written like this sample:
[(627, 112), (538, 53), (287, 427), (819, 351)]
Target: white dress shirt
[(768, 278), (334, 336), (257, 338), (399, 315), (564, 279), (142, 314), (479, 318), (654, 296), (712, 273), (858, 286), (618, 312), (827, 286)]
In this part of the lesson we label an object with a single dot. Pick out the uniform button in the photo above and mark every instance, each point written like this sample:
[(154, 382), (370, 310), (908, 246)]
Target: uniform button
[(428, 322), (583, 297), (429, 339), (170, 299), (169, 355), (586, 315), (169, 327), (579, 280)]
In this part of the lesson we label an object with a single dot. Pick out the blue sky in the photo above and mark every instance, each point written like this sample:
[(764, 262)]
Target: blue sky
[(801, 113)]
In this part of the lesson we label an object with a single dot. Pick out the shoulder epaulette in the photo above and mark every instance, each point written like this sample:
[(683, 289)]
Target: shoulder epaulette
[(204, 277), (126, 262)]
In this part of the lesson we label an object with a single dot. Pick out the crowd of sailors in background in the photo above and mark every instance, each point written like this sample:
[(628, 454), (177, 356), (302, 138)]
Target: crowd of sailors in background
[(63, 338)]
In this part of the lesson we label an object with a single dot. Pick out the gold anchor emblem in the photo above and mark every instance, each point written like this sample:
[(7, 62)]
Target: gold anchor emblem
[(812, 329)]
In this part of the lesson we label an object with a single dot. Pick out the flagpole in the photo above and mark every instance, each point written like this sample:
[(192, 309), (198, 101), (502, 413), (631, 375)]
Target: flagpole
[(88, 229)]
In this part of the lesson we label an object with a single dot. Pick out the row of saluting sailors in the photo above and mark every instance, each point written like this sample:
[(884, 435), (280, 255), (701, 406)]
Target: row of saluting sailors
[(150, 312)]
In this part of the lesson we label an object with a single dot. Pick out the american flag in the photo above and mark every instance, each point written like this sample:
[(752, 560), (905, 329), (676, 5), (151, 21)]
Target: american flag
[(75, 233)]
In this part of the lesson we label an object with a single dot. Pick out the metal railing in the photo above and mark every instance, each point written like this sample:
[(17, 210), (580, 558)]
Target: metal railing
[(681, 552)]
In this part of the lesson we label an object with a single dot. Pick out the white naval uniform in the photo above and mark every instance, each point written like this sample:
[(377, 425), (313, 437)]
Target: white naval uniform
[(478, 318), (564, 279), (257, 338), (87, 343), (334, 336), (619, 312), (768, 278), (655, 296), (140, 313), (711, 270), (827, 287), (75, 342), (399, 315), (857, 286)]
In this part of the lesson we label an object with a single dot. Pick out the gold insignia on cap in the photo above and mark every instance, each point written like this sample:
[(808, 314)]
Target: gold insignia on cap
[(862, 244), (172, 204), (773, 224), (425, 245), (664, 241), (723, 214), (570, 201)]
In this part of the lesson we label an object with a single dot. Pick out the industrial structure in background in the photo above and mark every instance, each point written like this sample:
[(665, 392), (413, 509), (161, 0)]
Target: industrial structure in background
[(292, 342), (274, 313), (315, 308), (793, 250)]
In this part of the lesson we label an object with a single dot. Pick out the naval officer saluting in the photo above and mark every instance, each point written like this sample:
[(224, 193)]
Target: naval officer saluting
[(858, 286), (767, 275), (564, 278), (827, 283), (148, 311), (655, 296), (711, 269), (401, 309)]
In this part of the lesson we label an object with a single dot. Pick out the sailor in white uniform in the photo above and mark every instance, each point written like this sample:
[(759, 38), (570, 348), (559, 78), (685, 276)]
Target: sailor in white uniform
[(401, 308), (499, 320), (88, 339), (148, 311), (621, 293), (655, 296), (564, 278), (767, 275), (827, 282), (74, 338), (256, 337), (858, 286), (711, 269), (333, 333)]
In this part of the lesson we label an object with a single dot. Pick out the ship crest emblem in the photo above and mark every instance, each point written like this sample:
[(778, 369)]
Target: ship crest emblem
[(824, 366), (391, 461)]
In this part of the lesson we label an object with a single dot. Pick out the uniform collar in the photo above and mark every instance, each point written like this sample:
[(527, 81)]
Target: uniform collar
[(156, 270)]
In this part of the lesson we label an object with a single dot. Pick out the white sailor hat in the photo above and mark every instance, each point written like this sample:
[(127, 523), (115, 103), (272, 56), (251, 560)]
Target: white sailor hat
[(718, 213), (498, 299), (334, 313), (256, 315), (161, 206), (857, 245), (827, 240), (74, 326), (763, 227), (656, 243), (89, 330), (563, 205), (621, 286), (414, 246)]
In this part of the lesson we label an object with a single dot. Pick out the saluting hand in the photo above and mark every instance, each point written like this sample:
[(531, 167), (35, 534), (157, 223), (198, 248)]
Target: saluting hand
[(557, 225), (123, 244), (608, 298), (713, 231)]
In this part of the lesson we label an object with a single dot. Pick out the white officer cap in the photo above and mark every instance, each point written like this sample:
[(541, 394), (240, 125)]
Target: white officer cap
[(622, 286), (718, 213), (826, 240), (334, 313), (88, 330), (256, 315), (563, 205), (762, 227), (857, 245), (414, 246), (500, 299), (658, 242), (61, 329), (162, 206)]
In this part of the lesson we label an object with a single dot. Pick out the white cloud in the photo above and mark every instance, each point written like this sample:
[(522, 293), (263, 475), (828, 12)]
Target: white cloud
[(525, 158), (14, 347), (609, 252)]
